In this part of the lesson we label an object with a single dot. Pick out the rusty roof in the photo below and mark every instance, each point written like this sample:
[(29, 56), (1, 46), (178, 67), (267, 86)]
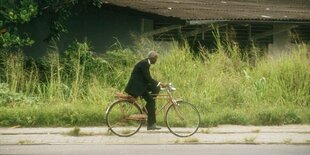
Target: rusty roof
[(195, 10)]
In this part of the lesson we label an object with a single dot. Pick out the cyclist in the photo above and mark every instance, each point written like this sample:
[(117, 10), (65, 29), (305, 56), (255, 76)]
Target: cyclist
[(141, 83)]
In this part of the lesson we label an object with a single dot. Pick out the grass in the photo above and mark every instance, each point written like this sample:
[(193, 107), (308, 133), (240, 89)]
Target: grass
[(250, 140), (206, 131), (256, 131), (226, 86), (25, 142), (191, 140), (74, 132), (187, 140), (77, 132), (177, 141), (287, 141)]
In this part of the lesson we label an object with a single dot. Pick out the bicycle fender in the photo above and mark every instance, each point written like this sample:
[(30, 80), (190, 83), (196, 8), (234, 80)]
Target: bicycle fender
[(177, 100), (114, 102)]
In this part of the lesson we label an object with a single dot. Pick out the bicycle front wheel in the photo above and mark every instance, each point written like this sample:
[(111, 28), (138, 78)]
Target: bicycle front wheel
[(182, 119), (124, 118)]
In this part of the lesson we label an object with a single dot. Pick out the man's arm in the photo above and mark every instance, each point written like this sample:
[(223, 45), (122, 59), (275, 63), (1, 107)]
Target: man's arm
[(147, 74)]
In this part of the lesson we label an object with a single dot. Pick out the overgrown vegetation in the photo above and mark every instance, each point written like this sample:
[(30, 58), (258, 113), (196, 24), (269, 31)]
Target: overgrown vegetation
[(228, 87)]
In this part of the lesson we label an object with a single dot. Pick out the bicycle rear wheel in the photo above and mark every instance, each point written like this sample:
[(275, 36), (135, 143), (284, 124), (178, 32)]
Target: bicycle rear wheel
[(182, 119), (124, 118)]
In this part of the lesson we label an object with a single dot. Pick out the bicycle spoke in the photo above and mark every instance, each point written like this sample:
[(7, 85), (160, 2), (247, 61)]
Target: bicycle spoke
[(120, 118), (182, 119)]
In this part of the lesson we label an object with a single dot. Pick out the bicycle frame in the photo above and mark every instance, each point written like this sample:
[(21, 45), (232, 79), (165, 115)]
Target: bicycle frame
[(139, 113), (161, 96), (141, 104)]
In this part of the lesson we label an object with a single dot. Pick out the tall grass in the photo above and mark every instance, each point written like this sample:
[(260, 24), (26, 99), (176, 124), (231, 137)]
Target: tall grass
[(227, 85), (15, 76), (285, 80)]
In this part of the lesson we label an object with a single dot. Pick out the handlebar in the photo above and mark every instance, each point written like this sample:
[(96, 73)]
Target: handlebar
[(169, 88)]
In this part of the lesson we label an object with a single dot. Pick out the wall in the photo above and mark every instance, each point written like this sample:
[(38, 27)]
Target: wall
[(281, 42), (102, 28)]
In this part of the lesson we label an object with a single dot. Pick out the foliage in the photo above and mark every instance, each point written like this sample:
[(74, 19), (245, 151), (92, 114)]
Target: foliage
[(9, 98), (14, 13), (79, 56)]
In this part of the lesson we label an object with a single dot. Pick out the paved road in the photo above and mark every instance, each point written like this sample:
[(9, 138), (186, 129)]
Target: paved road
[(179, 149), (225, 139), (226, 134)]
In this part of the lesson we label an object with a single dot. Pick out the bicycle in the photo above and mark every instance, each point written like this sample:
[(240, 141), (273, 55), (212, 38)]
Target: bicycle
[(125, 115)]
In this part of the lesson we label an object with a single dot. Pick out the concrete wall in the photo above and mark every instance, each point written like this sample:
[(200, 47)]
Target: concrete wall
[(281, 42)]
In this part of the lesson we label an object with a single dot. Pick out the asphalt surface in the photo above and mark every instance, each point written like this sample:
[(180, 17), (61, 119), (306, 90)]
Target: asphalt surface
[(176, 149), (224, 134)]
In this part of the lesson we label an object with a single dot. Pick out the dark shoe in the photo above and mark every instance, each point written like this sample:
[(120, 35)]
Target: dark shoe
[(153, 127)]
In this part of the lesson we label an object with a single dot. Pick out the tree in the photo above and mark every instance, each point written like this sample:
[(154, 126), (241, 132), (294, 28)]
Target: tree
[(13, 13), (16, 12)]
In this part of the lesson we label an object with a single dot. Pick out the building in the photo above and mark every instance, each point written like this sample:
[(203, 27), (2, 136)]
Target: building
[(274, 24)]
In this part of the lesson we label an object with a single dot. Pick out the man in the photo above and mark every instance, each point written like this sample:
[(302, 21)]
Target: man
[(141, 83)]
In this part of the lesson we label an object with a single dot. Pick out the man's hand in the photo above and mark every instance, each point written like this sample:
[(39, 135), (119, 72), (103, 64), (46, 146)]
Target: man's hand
[(163, 85)]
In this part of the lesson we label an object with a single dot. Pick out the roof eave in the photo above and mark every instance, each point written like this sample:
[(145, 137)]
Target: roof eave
[(213, 21)]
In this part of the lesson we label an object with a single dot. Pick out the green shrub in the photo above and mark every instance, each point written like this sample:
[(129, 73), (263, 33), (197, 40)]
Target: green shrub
[(233, 118), (270, 117), (8, 98), (292, 118)]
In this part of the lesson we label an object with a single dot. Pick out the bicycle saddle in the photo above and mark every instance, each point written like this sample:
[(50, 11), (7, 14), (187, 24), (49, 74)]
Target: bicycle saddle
[(124, 96)]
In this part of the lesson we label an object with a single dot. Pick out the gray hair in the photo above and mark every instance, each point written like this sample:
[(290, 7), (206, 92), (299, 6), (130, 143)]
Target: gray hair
[(152, 54)]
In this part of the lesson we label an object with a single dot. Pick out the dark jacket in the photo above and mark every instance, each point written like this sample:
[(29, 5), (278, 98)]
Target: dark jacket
[(140, 78)]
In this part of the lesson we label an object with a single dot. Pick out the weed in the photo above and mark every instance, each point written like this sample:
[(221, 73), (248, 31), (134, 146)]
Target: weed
[(177, 141), (249, 140), (287, 141), (191, 140), (74, 132), (233, 118), (25, 142), (126, 131), (108, 133), (77, 132), (270, 117), (206, 131), (292, 118), (256, 130)]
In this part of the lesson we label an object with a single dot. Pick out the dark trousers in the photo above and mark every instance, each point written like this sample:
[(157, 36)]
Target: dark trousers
[(150, 103)]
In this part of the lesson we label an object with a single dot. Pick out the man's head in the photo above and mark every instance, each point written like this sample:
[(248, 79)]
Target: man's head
[(153, 57)]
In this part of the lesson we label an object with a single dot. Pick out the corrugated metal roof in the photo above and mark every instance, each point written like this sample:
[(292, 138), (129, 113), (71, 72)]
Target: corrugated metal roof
[(266, 10)]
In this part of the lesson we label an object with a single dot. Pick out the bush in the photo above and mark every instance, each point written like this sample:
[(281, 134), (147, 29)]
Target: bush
[(278, 116), (8, 98), (233, 118), (292, 118), (270, 117)]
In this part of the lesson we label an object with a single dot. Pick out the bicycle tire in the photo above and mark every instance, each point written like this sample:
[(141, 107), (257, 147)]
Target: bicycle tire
[(182, 119), (118, 118)]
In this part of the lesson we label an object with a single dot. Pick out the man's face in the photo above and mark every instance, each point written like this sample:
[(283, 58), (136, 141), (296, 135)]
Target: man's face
[(153, 60)]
